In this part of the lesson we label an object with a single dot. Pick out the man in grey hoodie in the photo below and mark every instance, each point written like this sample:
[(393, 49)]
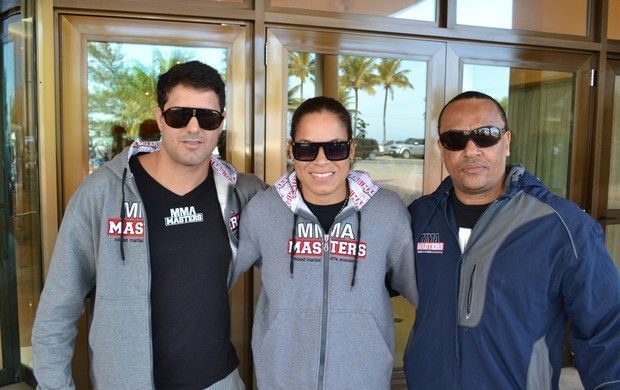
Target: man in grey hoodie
[(144, 235)]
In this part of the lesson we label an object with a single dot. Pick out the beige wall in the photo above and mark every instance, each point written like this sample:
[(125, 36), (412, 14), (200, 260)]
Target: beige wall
[(554, 16)]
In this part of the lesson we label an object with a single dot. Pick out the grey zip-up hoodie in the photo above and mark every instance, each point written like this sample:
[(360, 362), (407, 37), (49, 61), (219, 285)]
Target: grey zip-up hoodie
[(323, 322), (88, 255)]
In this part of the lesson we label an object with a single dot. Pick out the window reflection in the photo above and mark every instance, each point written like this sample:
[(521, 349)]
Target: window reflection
[(539, 106), (612, 238), (612, 233), (423, 10), (386, 98), (551, 16), (21, 173), (613, 200), (122, 81)]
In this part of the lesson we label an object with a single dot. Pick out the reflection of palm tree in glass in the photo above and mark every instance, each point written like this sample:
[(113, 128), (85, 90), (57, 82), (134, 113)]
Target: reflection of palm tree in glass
[(293, 102), (357, 74), (391, 76), (302, 66), (140, 86), (344, 97), (121, 91)]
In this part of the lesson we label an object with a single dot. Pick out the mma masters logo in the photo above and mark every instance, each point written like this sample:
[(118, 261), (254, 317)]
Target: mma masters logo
[(310, 243), (430, 243), (183, 215), (132, 225)]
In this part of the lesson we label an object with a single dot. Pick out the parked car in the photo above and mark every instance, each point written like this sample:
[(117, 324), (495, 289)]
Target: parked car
[(366, 148), (412, 148)]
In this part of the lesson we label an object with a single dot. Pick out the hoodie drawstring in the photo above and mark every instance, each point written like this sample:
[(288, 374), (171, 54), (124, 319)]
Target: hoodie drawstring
[(293, 243), (123, 213), (357, 246)]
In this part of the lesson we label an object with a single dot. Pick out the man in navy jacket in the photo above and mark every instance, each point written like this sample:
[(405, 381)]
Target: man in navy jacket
[(501, 264)]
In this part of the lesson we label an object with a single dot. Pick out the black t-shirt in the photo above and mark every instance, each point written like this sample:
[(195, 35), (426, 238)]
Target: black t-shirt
[(327, 213), (190, 256), (467, 215)]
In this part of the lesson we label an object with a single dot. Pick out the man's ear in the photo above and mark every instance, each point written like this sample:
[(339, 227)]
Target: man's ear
[(507, 138), (159, 117), (441, 149)]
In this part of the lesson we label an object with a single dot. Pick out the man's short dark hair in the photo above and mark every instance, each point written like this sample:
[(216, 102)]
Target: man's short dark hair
[(320, 104), (193, 74), (475, 95)]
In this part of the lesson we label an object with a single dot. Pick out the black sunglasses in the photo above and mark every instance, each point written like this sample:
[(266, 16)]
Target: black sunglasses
[(178, 117), (334, 150), (483, 137)]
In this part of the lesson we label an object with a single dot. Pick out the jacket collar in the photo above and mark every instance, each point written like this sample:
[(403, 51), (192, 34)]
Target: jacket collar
[(516, 179)]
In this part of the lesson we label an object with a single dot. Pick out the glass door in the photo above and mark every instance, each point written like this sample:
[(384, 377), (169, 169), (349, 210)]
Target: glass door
[(108, 100), (394, 99), (611, 218), (20, 240), (546, 97)]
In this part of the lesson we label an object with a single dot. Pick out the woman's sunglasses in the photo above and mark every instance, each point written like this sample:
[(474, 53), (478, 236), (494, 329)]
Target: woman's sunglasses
[(483, 137), (334, 150), (178, 117)]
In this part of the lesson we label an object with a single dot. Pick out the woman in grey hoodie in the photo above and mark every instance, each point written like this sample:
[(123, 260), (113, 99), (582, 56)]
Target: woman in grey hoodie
[(326, 239)]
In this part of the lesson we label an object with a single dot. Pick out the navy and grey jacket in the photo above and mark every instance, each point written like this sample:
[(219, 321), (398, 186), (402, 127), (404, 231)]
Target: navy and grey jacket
[(88, 255), (324, 317), (493, 317)]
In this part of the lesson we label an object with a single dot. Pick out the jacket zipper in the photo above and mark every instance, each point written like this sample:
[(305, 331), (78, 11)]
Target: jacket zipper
[(457, 341), (470, 291), (482, 221), (324, 311)]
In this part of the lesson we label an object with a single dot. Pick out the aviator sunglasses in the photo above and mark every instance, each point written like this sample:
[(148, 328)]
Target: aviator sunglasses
[(178, 117), (483, 137), (334, 150)]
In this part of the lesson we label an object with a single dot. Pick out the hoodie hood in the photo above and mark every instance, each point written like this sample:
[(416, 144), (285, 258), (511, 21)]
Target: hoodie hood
[(361, 189), (224, 169)]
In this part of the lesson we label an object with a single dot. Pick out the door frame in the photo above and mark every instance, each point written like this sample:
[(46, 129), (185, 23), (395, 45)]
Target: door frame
[(282, 40), (75, 31)]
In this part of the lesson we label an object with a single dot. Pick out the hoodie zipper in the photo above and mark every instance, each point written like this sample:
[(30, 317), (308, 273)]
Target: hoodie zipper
[(324, 311), (133, 188)]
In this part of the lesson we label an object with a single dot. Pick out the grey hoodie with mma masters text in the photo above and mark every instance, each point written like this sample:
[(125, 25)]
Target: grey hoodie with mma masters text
[(323, 322), (89, 253)]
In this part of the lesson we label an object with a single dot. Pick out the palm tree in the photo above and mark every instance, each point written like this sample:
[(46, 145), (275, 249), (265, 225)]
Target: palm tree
[(357, 74), (344, 97), (122, 92), (391, 76), (301, 65), (293, 102)]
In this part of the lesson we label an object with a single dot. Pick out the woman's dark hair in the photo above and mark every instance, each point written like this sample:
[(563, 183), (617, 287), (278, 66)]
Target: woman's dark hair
[(193, 74), (320, 104), (475, 95)]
